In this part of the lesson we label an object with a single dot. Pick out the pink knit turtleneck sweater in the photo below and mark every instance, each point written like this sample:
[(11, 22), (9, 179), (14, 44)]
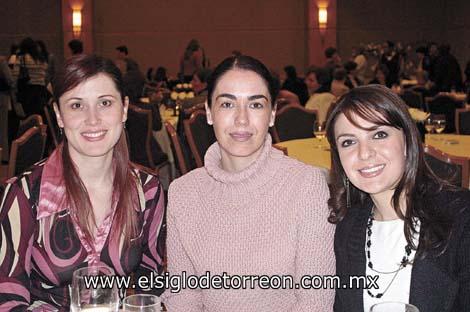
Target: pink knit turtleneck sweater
[(270, 218)]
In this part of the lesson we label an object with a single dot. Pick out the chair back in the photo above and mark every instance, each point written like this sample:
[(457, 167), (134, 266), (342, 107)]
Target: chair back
[(281, 148), (413, 99), (445, 105), (462, 121), (199, 134), (32, 121), (52, 123), (451, 168), (139, 134), (294, 121), (27, 150), (176, 148)]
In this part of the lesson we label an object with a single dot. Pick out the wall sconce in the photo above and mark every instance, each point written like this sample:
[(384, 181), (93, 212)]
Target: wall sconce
[(76, 22), (322, 18)]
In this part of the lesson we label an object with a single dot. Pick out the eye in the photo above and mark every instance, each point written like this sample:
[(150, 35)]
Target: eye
[(256, 105), (106, 102), (76, 105), (226, 105), (347, 142), (380, 135)]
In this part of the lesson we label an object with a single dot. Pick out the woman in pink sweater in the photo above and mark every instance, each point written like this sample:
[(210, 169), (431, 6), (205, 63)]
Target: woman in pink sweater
[(250, 211)]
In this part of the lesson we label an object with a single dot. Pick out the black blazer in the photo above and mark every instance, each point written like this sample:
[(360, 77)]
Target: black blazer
[(439, 283)]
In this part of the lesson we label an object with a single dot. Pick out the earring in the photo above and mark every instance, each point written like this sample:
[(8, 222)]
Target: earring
[(61, 131), (348, 195)]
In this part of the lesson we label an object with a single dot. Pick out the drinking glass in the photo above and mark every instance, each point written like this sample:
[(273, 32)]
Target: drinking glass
[(142, 303), (439, 123), (319, 132), (429, 125), (88, 296), (393, 307)]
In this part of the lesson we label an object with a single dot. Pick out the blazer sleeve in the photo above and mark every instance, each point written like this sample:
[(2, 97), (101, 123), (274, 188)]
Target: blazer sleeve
[(153, 232), (17, 225)]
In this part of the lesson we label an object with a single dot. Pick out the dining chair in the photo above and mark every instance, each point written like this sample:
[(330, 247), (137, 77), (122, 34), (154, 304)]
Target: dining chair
[(143, 149), (445, 105), (26, 124), (176, 148), (27, 150), (199, 135), (462, 121), (294, 121), (413, 99), (281, 148), (52, 123), (454, 169)]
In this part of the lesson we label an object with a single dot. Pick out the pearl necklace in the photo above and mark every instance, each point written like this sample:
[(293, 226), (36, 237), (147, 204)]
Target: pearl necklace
[(404, 262)]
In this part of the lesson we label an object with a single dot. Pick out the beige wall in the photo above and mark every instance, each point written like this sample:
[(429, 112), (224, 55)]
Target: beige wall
[(157, 32), (37, 19)]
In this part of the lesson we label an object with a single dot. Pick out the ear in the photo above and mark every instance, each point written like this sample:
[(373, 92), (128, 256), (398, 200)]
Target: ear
[(272, 118), (208, 114), (60, 122), (126, 107)]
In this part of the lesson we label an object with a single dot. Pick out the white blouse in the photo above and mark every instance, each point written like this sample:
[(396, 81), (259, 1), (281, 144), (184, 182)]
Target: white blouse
[(387, 250)]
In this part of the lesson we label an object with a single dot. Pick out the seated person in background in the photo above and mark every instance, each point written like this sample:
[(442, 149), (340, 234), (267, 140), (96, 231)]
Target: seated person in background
[(338, 88), (199, 83), (352, 81), (295, 84), (424, 85), (381, 72), (321, 99), (133, 79), (395, 219), (250, 210), (86, 205)]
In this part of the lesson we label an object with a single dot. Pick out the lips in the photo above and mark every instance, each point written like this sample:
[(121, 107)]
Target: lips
[(94, 135), (371, 171), (241, 136)]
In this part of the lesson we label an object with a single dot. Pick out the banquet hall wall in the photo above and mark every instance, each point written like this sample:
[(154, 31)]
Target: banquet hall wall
[(157, 32)]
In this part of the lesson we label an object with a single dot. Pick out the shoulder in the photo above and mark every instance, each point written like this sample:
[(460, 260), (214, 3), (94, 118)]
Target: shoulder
[(188, 181), (145, 177)]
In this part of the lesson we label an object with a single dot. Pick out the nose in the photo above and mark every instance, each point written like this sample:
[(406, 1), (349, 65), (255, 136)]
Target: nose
[(366, 151), (241, 118), (92, 116)]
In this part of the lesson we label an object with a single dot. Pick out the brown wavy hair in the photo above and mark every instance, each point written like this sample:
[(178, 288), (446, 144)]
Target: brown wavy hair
[(379, 105), (76, 70)]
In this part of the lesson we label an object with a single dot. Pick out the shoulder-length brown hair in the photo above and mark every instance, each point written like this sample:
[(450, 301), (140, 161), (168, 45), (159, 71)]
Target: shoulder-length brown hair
[(76, 70), (379, 105)]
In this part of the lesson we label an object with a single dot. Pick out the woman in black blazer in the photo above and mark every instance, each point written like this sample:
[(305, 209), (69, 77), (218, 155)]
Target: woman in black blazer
[(396, 221)]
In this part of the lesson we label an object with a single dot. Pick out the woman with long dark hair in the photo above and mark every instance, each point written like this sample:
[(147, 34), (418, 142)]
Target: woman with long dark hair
[(397, 223), (31, 94), (251, 210), (86, 204), (192, 60)]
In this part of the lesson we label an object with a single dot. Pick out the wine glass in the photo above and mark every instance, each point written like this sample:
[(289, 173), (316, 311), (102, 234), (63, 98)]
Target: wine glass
[(142, 303), (393, 307), (439, 123), (429, 125), (319, 132), (89, 292)]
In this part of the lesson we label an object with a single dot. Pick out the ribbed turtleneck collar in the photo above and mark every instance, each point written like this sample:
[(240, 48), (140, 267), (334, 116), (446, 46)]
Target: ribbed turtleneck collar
[(258, 173)]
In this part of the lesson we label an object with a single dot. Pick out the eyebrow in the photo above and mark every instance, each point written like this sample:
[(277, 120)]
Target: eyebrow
[(250, 98), (344, 135), (373, 128)]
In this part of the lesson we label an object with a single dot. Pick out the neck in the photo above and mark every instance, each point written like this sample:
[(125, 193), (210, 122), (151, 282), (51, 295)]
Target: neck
[(232, 163), (384, 210), (94, 171)]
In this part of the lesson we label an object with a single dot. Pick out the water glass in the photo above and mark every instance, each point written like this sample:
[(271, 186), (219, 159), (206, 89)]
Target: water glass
[(319, 131), (142, 303), (89, 292), (393, 307)]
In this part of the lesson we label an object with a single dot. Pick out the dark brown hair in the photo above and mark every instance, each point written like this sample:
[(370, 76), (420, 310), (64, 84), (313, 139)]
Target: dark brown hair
[(379, 105), (76, 70)]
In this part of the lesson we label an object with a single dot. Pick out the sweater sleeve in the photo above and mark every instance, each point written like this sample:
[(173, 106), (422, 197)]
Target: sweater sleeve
[(17, 229), (315, 254), (184, 300)]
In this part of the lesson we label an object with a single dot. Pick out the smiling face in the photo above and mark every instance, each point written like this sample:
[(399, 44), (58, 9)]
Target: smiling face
[(241, 114), (373, 158), (92, 116)]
